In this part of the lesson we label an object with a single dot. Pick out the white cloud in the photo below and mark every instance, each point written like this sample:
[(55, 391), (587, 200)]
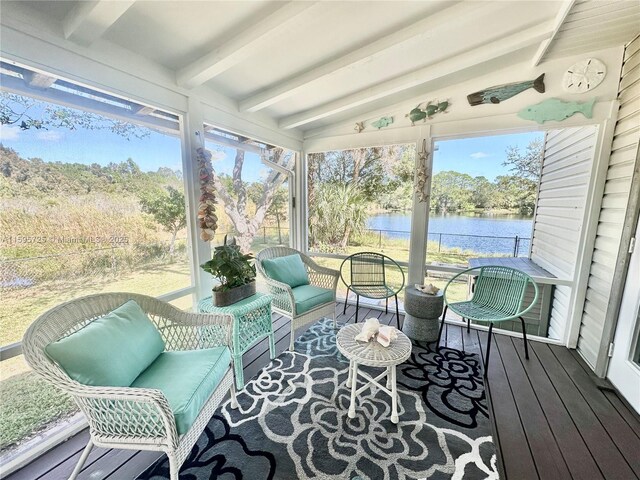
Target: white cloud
[(479, 155), (9, 133), (49, 135)]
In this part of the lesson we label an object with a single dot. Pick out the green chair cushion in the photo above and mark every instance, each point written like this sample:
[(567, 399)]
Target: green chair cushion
[(187, 379), (308, 297), (289, 269), (110, 351)]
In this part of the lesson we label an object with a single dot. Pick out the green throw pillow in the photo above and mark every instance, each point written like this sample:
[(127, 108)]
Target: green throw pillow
[(111, 351), (289, 270)]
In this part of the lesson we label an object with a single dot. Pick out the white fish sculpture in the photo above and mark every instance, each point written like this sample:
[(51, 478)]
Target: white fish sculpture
[(369, 330), (386, 335)]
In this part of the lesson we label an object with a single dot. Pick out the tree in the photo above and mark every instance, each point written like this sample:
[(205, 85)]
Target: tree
[(526, 164), (451, 191), (483, 192), (277, 212), (373, 173), (29, 113), (168, 209), (339, 210), (234, 196), (514, 192)]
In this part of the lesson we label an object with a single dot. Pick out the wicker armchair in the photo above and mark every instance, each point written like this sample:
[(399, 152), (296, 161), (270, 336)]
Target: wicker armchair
[(284, 301), (127, 417)]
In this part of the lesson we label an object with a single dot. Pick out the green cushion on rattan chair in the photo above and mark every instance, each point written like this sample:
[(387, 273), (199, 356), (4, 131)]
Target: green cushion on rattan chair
[(309, 296), (111, 351), (288, 269), (187, 379)]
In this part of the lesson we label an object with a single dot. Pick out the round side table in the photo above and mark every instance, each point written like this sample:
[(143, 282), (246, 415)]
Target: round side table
[(422, 314), (372, 354)]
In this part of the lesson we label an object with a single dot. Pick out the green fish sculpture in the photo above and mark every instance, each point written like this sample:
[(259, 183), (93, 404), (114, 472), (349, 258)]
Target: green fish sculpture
[(500, 93), (557, 110), (383, 122)]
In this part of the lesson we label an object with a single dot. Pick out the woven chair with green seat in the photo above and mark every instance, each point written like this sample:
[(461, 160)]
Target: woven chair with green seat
[(498, 295), (302, 290), (146, 375), (368, 278)]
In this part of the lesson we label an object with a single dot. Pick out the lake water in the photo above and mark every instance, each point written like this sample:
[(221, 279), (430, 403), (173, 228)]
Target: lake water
[(482, 233)]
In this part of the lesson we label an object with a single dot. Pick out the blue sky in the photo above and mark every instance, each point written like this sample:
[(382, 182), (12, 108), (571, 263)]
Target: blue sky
[(101, 146), (475, 156), (223, 159), (479, 155), (94, 146)]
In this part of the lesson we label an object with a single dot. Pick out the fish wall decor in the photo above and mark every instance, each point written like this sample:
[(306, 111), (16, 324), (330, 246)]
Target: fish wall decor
[(500, 93), (557, 110), (382, 122), (430, 109)]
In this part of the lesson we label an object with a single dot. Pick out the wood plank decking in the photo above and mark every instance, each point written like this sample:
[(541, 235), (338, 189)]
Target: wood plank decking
[(550, 419)]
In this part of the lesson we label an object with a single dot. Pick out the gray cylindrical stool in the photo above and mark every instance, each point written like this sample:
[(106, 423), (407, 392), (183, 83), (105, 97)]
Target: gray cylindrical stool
[(422, 314)]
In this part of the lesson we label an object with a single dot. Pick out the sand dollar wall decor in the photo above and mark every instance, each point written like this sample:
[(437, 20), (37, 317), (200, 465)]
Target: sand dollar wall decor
[(584, 75)]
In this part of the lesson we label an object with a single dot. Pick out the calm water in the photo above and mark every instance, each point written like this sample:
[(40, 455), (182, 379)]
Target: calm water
[(481, 232)]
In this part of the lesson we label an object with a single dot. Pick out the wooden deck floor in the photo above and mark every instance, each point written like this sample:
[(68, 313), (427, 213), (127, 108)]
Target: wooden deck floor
[(550, 419)]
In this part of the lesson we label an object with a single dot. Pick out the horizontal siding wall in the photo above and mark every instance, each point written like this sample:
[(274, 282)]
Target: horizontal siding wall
[(614, 205), (564, 182)]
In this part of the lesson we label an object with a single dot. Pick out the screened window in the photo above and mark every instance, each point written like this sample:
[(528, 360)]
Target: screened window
[(360, 200), (252, 182), (93, 200)]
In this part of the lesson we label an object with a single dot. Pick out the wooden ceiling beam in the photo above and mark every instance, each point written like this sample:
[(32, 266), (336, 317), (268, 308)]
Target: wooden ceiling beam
[(483, 53), (239, 47), (88, 20), (426, 26), (561, 16)]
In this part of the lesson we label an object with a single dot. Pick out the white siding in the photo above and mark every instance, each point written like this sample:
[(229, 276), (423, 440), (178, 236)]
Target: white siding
[(614, 205), (594, 24), (562, 197)]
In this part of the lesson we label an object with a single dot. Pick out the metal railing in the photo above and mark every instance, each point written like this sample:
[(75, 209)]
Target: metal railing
[(487, 244)]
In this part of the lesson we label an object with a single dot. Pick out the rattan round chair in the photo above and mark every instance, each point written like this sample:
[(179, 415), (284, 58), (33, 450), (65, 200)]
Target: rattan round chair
[(498, 295), (128, 417), (368, 272)]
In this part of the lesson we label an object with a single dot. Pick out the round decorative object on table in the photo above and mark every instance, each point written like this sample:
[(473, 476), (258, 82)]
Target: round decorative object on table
[(372, 354), (421, 321)]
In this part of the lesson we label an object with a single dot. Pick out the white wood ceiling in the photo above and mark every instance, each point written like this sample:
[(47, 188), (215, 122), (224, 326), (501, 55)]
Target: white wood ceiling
[(308, 64)]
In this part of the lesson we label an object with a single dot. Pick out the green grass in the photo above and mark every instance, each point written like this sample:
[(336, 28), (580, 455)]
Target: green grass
[(20, 307), (29, 405)]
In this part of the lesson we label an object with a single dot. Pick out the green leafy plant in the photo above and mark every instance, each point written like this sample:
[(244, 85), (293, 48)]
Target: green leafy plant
[(230, 266)]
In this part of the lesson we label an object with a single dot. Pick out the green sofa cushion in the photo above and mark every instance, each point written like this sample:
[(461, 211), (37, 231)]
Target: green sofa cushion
[(187, 379), (308, 297), (110, 351), (289, 270)]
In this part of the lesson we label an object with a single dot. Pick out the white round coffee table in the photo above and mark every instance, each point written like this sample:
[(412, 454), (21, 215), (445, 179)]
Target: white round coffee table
[(372, 354)]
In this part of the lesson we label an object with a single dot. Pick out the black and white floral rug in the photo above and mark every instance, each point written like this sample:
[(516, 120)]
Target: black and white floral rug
[(292, 422)]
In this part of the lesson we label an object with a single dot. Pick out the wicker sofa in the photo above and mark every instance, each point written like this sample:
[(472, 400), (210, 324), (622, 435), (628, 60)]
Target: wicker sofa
[(181, 363), (306, 300)]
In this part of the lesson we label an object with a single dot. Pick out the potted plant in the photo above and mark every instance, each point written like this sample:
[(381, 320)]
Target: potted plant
[(235, 272)]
